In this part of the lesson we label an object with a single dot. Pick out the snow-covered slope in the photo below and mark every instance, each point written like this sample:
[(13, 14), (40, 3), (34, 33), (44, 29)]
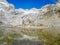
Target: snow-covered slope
[(46, 17)]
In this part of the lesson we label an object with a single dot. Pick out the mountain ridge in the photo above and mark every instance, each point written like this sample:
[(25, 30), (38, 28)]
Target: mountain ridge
[(47, 16)]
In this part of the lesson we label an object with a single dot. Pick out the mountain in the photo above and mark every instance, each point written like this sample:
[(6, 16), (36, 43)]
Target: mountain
[(46, 17)]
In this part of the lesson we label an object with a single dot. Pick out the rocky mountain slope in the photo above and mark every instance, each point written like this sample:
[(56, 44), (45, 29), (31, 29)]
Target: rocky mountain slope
[(46, 17)]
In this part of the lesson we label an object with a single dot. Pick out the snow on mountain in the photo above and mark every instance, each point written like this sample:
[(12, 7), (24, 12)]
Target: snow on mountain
[(48, 16)]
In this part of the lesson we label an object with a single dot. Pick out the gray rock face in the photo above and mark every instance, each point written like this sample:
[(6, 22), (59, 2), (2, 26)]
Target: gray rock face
[(25, 42), (58, 1)]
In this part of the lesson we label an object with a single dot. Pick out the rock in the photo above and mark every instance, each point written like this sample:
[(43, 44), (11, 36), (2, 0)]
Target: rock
[(58, 1)]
